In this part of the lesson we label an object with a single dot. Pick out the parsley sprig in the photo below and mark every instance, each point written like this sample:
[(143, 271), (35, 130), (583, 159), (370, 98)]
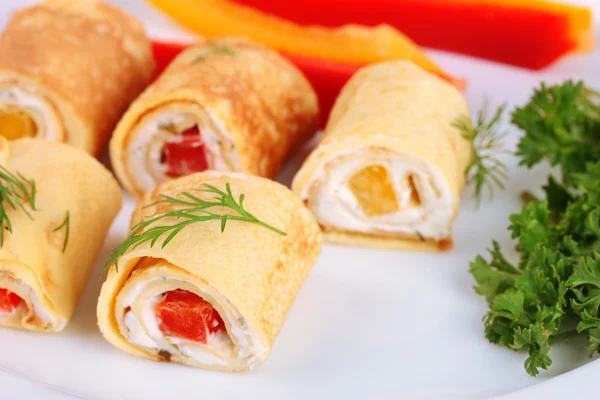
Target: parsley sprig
[(557, 276), (561, 125), (186, 208)]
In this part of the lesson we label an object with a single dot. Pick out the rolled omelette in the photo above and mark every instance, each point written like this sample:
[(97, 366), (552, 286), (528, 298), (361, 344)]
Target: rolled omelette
[(227, 104), (391, 166), (208, 295), (68, 71), (49, 247)]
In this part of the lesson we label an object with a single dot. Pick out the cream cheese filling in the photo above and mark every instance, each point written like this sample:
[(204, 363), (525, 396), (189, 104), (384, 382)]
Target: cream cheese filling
[(38, 316), (238, 345), (145, 146), (333, 203), (29, 100)]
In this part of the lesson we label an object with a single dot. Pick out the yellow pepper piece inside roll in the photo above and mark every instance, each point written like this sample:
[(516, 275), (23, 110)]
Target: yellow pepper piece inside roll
[(376, 194), (16, 124), (69, 70), (374, 191)]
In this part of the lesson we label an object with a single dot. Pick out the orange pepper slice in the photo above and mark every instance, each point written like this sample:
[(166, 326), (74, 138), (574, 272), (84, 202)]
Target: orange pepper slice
[(527, 33), (352, 44)]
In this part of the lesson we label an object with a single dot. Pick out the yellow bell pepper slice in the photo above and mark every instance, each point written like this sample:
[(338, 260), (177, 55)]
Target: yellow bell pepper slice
[(16, 124), (374, 192)]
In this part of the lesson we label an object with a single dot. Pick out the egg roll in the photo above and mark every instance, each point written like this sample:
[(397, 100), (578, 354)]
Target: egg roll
[(68, 71), (391, 166), (227, 104), (50, 241), (203, 291)]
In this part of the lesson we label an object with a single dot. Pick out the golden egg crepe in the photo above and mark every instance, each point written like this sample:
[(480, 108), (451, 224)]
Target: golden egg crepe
[(68, 71), (50, 245), (227, 104), (391, 166), (209, 295)]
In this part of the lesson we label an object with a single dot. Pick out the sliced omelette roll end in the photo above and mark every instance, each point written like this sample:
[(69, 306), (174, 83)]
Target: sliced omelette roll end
[(227, 104), (215, 293), (63, 203), (165, 314), (377, 197), (69, 70), (391, 166), (23, 304), (28, 111), (173, 140)]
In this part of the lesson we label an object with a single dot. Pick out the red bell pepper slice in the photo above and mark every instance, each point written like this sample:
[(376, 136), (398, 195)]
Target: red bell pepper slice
[(9, 301), (186, 155), (186, 315), (526, 33), (327, 79), (165, 52)]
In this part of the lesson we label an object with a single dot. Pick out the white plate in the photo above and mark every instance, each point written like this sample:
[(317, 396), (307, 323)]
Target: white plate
[(366, 324)]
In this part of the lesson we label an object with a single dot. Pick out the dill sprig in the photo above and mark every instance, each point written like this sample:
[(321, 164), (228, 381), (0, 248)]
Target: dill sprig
[(485, 171), (66, 224), (188, 209), (215, 49), (16, 192)]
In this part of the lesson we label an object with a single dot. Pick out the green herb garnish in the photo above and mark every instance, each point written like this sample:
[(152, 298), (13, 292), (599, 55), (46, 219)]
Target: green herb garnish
[(553, 292), (215, 49), (562, 126), (188, 209), (485, 171), (16, 192), (66, 224)]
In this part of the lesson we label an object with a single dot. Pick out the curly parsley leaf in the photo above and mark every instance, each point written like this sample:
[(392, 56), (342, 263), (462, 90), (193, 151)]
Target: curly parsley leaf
[(534, 338), (557, 273), (493, 277), (562, 126), (585, 284)]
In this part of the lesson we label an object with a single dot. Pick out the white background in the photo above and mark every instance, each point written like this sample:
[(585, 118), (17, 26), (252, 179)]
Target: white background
[(366, 324)]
